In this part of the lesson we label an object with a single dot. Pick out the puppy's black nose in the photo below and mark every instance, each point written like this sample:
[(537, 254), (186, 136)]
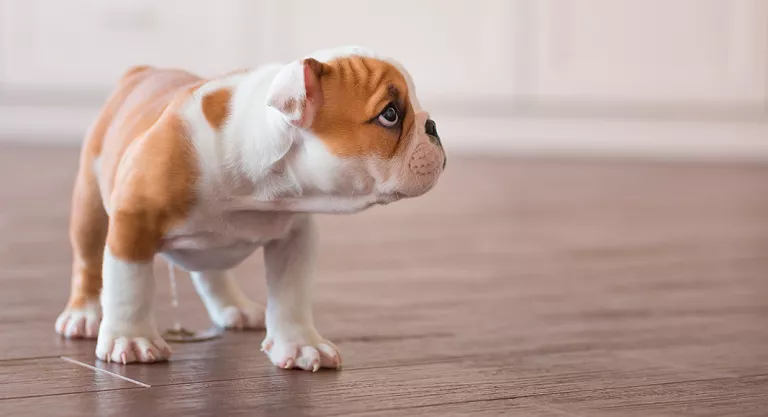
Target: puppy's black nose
[(431, 128)]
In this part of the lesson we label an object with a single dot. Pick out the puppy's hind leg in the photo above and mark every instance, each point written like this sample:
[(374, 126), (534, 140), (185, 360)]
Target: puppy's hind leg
[(88, 230), (227, 304)]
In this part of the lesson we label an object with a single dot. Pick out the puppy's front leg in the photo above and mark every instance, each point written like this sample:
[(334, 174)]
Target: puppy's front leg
[(128, 332), (292, 341)]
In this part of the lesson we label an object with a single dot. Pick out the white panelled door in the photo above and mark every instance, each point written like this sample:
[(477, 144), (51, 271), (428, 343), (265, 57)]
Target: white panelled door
[(696, 52), (454, 49), (585, 75), (52, 44)]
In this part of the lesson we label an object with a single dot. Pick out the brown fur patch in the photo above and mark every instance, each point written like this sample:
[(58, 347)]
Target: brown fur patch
[(155, 190), (87, 232), (355, 90), (216, 107), (140, 105), (139, 115)]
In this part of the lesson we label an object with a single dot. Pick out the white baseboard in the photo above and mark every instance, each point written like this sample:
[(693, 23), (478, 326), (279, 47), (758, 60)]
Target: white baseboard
[(42, 125), (645, 139)]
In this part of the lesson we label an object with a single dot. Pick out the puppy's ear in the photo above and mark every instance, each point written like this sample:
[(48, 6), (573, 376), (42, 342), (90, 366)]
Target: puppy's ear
[(297, 92)]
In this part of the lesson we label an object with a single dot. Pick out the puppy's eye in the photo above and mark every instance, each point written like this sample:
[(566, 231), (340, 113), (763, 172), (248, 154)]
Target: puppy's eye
[(389, 116)]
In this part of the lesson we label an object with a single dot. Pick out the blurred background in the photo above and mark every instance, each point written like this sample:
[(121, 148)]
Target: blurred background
[(648, 78)]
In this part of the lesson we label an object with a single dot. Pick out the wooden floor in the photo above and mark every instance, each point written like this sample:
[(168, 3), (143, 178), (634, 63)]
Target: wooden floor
[(516, 288)]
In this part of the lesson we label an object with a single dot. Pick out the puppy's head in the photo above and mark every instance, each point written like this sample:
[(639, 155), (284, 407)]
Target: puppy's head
[(361, 113)]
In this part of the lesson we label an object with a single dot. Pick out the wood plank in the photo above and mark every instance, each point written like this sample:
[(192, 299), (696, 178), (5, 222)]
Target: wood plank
[(516, 407), (743, 397), (729, 356), (52, 376)]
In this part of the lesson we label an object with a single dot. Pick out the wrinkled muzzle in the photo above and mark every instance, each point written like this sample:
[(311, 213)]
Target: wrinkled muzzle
[(424, 159)]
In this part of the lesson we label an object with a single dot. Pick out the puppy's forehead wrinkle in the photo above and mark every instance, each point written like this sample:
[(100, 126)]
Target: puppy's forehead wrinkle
[(364, 63), (359, 69), (367, 73)]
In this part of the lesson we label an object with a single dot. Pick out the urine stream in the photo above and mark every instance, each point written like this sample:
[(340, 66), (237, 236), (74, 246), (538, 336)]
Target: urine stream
[(178, 333)]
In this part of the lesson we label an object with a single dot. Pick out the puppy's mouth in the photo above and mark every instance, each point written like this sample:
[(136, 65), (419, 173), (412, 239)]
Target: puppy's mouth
[(391, 198)]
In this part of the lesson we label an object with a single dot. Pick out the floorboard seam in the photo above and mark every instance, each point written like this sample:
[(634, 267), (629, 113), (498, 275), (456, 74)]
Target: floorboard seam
[(422, 406), (31, 358), (58, 394), (655, 384), (104, 371)]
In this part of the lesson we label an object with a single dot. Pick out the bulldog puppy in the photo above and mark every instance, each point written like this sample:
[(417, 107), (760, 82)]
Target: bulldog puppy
[(205, 171)]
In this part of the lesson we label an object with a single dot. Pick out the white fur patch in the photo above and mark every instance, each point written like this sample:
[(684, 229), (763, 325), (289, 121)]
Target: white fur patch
[(128, 332), (226, 303), (288, 85)]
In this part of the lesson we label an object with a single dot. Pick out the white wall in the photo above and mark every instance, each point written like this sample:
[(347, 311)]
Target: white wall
[(637, 77)]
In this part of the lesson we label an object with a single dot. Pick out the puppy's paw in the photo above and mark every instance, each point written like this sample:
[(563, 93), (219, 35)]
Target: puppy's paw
[(80, 322), (137, 345), (244, 315), (301, 353)]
